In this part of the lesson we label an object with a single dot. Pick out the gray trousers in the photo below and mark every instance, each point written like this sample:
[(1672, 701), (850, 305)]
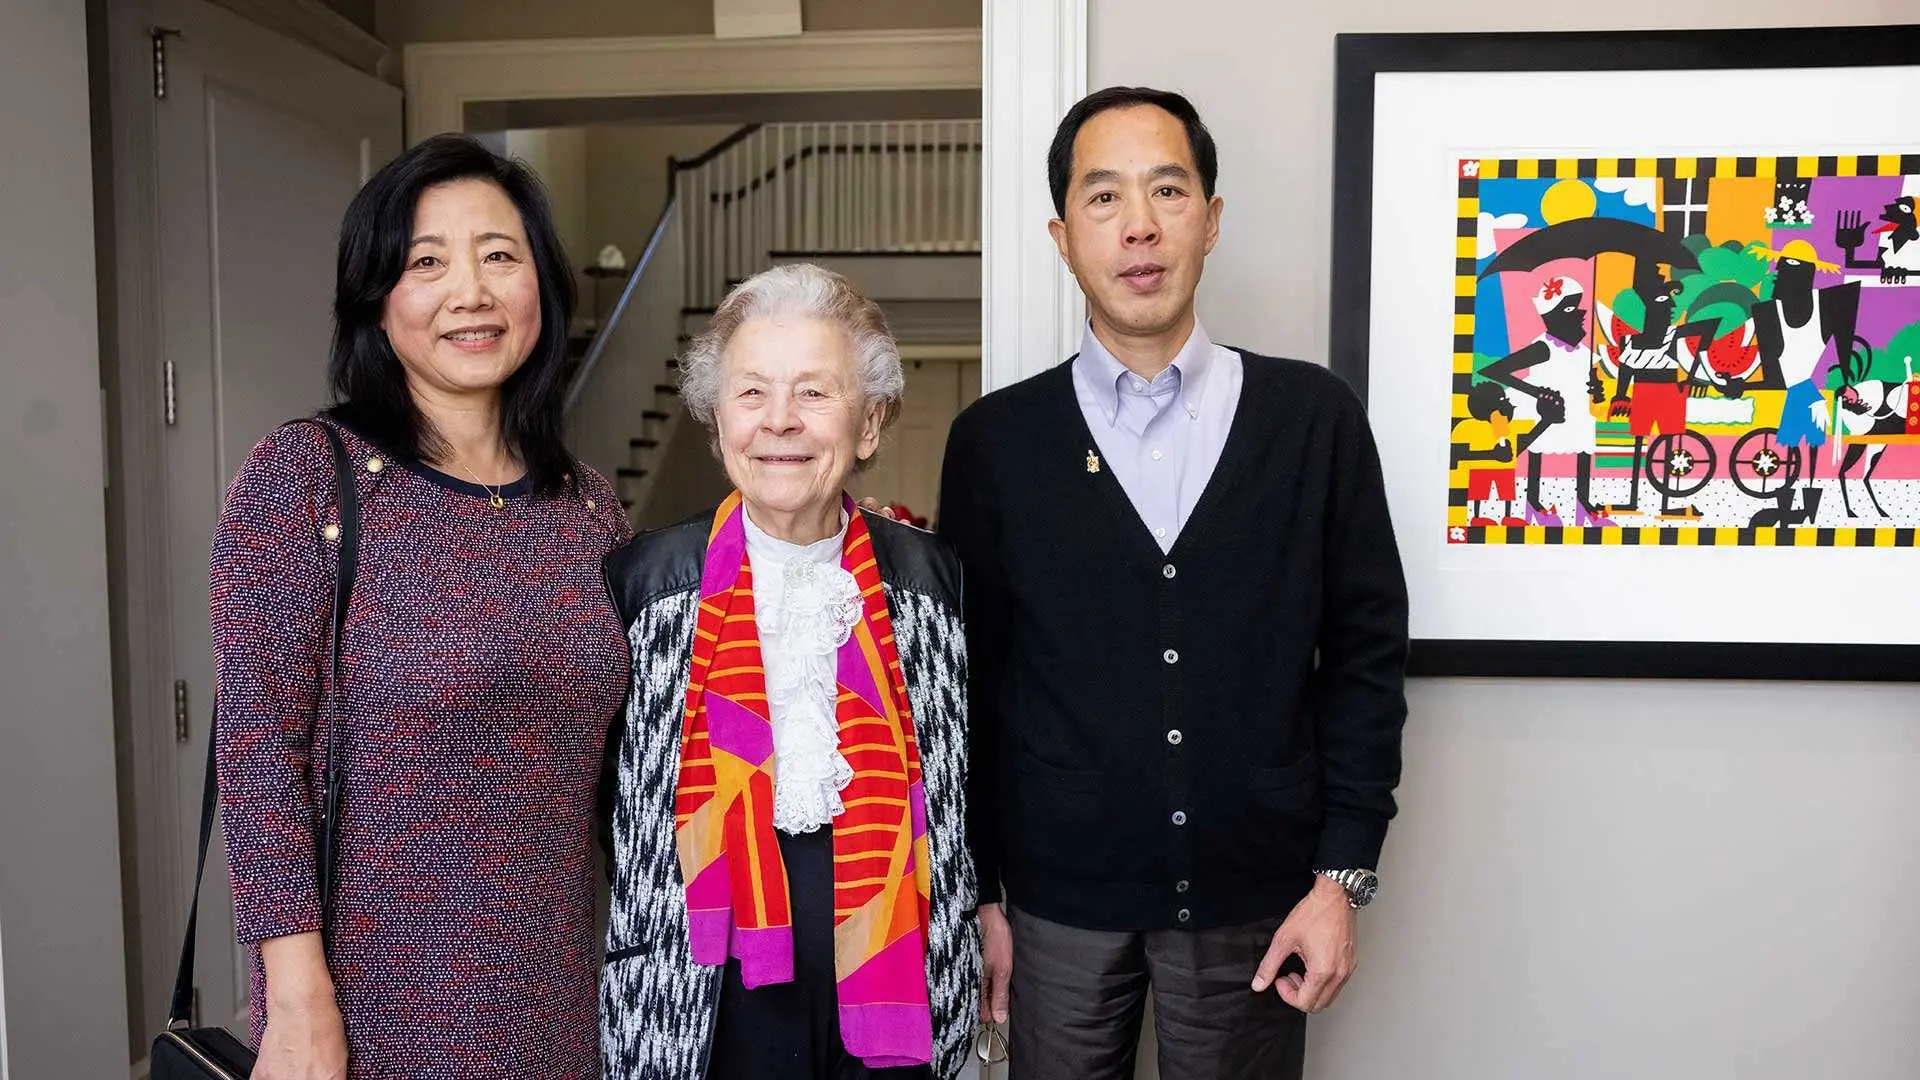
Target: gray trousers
[(1078, 997)]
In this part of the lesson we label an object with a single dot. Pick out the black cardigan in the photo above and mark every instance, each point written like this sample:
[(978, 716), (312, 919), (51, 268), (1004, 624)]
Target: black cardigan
[(1177, 739)]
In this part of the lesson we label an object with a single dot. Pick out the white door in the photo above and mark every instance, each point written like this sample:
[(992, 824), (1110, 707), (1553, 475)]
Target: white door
[(260, 144), (907, 469)]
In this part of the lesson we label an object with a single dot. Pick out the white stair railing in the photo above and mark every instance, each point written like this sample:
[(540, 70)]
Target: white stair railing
[(768, 190), (625, 374), (858, 187)]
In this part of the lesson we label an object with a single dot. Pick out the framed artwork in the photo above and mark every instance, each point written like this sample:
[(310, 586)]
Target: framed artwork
[(1636, 317)]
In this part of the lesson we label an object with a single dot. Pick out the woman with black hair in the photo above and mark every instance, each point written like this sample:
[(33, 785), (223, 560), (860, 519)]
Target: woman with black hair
[(480, 664)]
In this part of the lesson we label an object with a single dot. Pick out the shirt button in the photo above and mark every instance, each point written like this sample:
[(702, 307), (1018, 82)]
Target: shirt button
[(1184, 915), (1181, 886), (1174, 737), (1160, 533), (1170, 656), (374, 464), (1179, 817), (1168, 571), (1157, 455)]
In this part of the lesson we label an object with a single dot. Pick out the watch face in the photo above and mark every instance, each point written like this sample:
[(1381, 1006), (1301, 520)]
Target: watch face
[(1361, 888)]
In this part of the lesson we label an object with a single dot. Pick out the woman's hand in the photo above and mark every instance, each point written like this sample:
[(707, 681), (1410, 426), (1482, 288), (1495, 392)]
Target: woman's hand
[(306, 1038), (996, 970)]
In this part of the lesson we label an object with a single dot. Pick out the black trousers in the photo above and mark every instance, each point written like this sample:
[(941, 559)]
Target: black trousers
[(1078, 997), (792, 1030)]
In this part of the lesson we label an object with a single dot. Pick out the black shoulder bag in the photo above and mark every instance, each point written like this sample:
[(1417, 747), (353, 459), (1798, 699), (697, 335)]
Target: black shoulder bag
[(185, 1052)]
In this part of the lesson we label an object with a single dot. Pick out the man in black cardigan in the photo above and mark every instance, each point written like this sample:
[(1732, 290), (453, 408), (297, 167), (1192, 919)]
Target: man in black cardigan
[(1187, 626)]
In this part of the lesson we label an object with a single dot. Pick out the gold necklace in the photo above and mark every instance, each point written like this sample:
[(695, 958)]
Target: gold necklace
[(492, 493)]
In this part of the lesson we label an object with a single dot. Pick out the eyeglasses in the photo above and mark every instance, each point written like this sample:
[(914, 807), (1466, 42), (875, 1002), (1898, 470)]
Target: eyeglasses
[(989, 1045)]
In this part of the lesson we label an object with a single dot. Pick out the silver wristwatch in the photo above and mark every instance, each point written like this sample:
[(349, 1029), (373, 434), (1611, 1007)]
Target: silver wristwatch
[(1359, 885)]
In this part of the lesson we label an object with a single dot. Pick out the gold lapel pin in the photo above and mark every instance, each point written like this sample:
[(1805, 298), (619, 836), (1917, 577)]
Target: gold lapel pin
[(1093, 462)]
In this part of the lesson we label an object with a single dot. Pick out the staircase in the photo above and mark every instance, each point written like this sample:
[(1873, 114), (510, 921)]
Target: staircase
[(893, 205)]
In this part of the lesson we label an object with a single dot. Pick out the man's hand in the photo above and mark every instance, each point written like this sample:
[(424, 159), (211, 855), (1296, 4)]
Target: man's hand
[(1320, 930), (996, 968), (872, 506)]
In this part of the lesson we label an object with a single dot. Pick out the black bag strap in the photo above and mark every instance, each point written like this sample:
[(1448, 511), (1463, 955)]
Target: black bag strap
[(180, 1013)]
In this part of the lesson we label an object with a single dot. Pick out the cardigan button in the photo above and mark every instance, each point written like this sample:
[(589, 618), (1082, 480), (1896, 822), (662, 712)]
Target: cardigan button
[(331, 532), (1179, 817), (1167, 571), (1184, 915), (1174, 737), (1170, 656), (1182, 885), (374, 464)]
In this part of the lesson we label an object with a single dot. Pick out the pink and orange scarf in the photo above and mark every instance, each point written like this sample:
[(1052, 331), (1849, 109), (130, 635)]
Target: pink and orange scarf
[(723, 810)]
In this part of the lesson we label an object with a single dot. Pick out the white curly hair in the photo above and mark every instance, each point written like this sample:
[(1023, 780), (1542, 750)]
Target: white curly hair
[(797, 289)]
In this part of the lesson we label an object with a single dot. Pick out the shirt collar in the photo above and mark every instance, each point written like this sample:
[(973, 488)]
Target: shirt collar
[(1101, 371), (772, 549)]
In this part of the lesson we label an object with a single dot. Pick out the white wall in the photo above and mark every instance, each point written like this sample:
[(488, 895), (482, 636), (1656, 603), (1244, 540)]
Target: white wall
[(1588, 879), (64, 1000), (558, 156)]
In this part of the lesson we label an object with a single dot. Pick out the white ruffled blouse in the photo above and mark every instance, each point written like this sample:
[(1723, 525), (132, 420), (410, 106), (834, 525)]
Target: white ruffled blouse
[(806, 606)]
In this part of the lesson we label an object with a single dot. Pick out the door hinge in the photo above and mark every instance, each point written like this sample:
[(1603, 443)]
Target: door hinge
[(166, 374), (181, 729), (159, 35)]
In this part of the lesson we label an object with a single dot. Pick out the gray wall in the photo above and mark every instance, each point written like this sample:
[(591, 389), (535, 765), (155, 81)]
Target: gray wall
[(627, 186), (64, 979), (1588, 879)]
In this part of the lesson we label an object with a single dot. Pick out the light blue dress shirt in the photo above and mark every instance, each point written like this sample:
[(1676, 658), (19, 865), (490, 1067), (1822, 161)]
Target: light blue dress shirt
[(1160, 437)]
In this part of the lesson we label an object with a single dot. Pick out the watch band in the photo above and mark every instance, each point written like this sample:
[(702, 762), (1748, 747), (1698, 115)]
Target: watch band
[(1358, 884)]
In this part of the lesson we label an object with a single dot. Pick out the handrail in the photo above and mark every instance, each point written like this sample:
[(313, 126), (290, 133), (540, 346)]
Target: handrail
[(620, 306), (717, 149), (775, 170)]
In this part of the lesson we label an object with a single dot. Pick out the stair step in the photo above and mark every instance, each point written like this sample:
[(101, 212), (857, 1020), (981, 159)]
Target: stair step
[(630, 474), (643, 444), (654, 414), (666, 388)]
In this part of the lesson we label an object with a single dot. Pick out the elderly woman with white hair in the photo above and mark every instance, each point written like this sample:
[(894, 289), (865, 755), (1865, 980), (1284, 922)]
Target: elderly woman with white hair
[(793, 892)]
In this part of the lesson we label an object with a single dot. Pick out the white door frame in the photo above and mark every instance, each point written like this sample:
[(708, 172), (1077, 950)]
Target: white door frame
[(1036, 68), (443, 78), (1029, 59)]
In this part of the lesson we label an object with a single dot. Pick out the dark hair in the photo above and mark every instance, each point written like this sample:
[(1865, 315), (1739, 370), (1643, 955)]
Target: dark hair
[(1487, 398), (370, 386), (1060, 154)]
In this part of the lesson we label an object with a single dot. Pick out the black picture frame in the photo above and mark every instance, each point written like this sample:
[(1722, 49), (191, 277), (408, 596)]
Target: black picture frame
[(1359, 60)]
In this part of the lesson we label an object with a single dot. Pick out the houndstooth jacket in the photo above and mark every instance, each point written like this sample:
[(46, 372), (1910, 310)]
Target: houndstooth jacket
[(657, 1007)]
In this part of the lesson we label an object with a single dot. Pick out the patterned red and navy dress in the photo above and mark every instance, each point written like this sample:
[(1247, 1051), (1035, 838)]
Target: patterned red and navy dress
[(482, 662)]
